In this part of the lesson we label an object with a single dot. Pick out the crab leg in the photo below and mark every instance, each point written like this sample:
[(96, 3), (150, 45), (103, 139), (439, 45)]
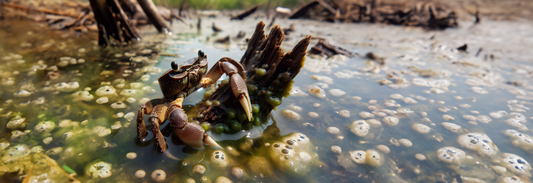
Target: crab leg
[(146, 108), (235, 71), (157, 117)]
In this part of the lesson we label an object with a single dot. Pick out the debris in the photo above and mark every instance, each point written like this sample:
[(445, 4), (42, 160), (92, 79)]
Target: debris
[(479, 51), (289, 29), (245, 13), (463, 48), (240, 34), (423, 14), (478, 17), (215, 28), (281, 11), (222, 40), (372, 56), (302, 10), (324, 48)]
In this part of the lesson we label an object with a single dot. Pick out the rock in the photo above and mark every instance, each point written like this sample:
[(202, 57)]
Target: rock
[(313, 114), (499, 169), (360, 128), (44, 127), (373, 158), (344, 113), (159, 175), (383, 148), (516, 164), (478, 142), (520, 140), (16, 152), (451, 155), (405, 142), (391, 120), (511, 179), (337, 92), (450, 118), (373, 122), (223, 179), (483, 119), (452, 127), (293, 154), (99, 169), (238, 172), (218, 159), (316, 91), (364, 114), (336, 149), (333, 130), (358, 156), (498, 114), (421, 128), (131, 155), (140, 174), (291, 114), (420, 157), (106, 91), (199, 169), (396, 96)]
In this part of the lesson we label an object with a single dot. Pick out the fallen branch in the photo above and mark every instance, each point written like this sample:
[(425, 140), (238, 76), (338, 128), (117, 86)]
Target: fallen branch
[(245, 13)]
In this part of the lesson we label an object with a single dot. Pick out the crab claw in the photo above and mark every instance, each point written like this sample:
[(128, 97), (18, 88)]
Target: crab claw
[(241, 92), (211, 142), (192, 134), (236, 73)]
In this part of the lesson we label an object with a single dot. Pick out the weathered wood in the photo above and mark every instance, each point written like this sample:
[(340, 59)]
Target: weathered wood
[(263, 52), (245, 13), (112, 21), (181, 7), (425, 14), (153, 15), (324, 48), (301, 11), (327, 6)]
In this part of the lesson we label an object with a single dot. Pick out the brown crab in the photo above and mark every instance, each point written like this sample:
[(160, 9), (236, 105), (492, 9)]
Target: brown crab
[(180, 82)]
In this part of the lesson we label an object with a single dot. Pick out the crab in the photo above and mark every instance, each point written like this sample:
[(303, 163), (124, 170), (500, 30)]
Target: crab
[(180, 82)]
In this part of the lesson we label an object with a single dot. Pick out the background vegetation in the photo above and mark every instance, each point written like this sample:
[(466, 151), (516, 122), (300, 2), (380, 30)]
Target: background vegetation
[(230, 4)]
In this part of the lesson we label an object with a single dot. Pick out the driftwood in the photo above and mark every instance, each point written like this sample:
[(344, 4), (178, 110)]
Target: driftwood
[(245, 13), (263, 52), (424, 14), (326, 49), (302, 10)]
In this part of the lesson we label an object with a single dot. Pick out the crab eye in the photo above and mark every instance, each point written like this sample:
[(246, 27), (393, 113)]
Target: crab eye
[(201, 54), (174, 65)]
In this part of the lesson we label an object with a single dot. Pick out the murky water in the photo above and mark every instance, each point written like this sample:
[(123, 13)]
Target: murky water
[(80, 110)]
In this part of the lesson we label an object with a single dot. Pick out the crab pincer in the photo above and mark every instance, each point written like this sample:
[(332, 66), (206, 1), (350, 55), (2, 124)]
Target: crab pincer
[(191, 134), (236, 73)]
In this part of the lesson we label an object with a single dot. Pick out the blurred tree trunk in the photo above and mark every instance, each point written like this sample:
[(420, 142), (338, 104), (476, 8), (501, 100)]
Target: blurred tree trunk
[(113, 20)]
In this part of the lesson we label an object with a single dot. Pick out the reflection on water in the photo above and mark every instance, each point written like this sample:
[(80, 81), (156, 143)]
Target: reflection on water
[(430, 113)]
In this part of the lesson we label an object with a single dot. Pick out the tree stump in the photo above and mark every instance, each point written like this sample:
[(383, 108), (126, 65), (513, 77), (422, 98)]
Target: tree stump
[(265, 88)]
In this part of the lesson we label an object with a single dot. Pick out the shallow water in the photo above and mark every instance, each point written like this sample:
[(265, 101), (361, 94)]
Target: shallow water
[(90, 132)]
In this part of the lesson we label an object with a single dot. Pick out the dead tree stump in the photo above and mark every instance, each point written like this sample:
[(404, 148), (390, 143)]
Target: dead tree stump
[(265, 88)]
